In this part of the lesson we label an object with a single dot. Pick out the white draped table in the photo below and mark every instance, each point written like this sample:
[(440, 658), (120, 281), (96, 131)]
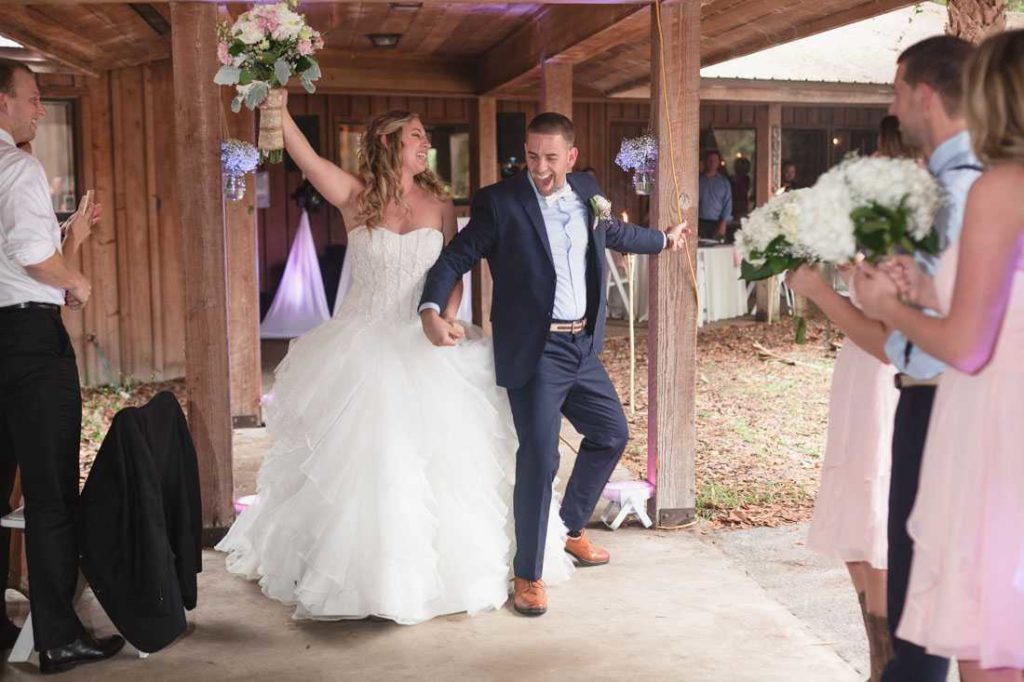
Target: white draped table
[(723, 295)]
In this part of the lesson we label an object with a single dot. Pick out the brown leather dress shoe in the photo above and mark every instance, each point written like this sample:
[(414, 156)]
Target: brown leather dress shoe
[(584, 552), (530, 597)]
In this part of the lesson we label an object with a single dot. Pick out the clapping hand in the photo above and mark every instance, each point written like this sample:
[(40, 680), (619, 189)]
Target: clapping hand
[(79, 226), (677, 235)]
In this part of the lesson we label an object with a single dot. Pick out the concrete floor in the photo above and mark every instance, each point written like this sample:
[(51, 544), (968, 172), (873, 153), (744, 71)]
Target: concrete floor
[(670, 606)]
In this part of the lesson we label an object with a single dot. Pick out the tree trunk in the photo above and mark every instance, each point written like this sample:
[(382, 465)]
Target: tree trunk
[(974, 20)]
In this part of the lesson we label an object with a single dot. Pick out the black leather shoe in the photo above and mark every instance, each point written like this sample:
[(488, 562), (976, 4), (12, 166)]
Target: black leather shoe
[(85, 649), (8, 634)]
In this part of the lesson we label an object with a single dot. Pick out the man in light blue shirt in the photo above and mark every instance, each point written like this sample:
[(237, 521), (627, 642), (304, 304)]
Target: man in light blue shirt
[(544, 234), (928, 100), (714, 202), (956, 168)]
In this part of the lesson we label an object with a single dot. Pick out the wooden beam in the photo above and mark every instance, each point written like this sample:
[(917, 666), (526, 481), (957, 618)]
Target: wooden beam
[(768, 178), (559, 34), (335, 2), (484, 172), (53, 44), (197, 103), (672, 331), (765, 91), (243, 285), (369, 72), (556, 88)]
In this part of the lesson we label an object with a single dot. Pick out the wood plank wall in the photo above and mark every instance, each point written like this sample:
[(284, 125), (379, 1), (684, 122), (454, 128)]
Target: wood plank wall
[(599, 129), (133, 328), (134, 325)]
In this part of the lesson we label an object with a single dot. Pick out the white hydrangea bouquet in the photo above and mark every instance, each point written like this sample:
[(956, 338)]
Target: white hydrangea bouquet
[(892, 203), (874, 206), (769, 238), (259, 53)]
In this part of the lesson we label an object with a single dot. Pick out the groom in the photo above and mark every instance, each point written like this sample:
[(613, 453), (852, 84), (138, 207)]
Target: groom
[(544, 233)]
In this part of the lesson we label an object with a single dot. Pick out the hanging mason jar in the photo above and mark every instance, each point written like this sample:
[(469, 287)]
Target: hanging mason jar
[(643, 181), (234, 187)]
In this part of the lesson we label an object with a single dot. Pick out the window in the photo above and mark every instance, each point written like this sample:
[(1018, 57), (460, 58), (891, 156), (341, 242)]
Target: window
[(450, 158), (54, 146)]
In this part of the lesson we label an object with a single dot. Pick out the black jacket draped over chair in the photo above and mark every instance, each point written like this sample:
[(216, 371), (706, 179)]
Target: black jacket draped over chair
[(141, 523)]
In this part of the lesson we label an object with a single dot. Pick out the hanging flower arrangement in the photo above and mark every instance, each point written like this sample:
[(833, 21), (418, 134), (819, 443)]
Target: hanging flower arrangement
[(639, 156), (237, 159)]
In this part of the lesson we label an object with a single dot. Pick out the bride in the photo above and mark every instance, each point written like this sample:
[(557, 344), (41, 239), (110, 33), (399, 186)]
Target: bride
[(387, 491)]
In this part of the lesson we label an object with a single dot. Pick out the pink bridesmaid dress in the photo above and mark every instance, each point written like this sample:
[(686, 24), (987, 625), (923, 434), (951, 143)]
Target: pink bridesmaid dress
[(851, 510), (965, 598)]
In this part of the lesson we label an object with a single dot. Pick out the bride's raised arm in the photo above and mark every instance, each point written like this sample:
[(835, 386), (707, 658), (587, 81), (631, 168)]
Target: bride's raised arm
[(337, 186)]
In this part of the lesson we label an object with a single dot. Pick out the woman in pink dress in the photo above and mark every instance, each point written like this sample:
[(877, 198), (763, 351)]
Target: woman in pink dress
[(851, 509), (966, 593)]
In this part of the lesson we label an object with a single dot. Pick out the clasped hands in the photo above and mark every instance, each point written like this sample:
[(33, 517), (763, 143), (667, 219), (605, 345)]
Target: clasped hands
[(878, 289), (442, 331)]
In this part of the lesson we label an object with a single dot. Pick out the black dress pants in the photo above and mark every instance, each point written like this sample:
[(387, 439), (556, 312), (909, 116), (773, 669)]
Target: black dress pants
[(40, 430), (909, 662)]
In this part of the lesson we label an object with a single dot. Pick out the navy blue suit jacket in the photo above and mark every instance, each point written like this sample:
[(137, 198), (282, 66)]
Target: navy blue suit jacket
[(506, 227)]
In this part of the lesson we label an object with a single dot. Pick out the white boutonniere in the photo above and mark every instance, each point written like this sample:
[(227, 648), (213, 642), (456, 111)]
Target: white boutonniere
[(601, 207)]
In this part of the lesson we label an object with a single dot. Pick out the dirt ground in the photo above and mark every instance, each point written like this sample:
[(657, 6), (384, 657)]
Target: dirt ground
[(760, 418)]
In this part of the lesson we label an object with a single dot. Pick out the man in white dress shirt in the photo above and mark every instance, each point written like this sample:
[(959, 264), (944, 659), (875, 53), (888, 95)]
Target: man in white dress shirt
[(40, 398)]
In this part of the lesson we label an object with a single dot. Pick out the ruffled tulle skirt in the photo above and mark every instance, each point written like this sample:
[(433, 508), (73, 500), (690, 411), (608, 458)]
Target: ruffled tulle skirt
[(388, 488)]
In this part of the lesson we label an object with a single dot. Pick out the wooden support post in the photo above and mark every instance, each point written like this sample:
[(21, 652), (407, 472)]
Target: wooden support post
[(197, 107), (484, 171), (243, 287), (768, 179), (556, 88), (975, 20), (672, 330)]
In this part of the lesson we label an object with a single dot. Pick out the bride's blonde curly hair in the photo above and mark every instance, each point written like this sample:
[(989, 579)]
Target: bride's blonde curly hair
[(380, 167)]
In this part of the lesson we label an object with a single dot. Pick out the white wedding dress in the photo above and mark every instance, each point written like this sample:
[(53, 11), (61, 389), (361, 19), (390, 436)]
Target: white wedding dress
[(388, 489)]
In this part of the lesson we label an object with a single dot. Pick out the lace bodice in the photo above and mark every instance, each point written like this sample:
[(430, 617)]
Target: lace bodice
[(388, 273)]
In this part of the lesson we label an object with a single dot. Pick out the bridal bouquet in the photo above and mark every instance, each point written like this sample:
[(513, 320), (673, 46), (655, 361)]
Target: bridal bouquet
[(892, 205), (259, 53)]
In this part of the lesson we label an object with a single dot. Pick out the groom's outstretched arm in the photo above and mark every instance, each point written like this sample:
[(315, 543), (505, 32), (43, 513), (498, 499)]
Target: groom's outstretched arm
[(477, 240), (630, 238)]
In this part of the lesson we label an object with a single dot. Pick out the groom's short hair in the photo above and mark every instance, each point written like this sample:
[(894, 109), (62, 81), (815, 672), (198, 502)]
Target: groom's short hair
[(7, 69), (939, 62), (552, 123)]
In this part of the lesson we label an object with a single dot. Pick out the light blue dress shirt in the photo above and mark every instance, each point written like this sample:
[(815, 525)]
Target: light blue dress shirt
[(955, 166), (714, 200), (566, 222)]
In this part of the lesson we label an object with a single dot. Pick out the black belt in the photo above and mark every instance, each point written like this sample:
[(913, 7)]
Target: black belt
[(31, 305)]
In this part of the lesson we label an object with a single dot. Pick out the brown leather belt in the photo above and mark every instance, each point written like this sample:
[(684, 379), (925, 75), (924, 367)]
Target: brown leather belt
[(573, 327), (906, 381)]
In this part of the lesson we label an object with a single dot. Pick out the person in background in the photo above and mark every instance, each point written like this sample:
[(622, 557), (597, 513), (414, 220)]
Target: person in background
[(741, 188), (789, 177), (714, 203)]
